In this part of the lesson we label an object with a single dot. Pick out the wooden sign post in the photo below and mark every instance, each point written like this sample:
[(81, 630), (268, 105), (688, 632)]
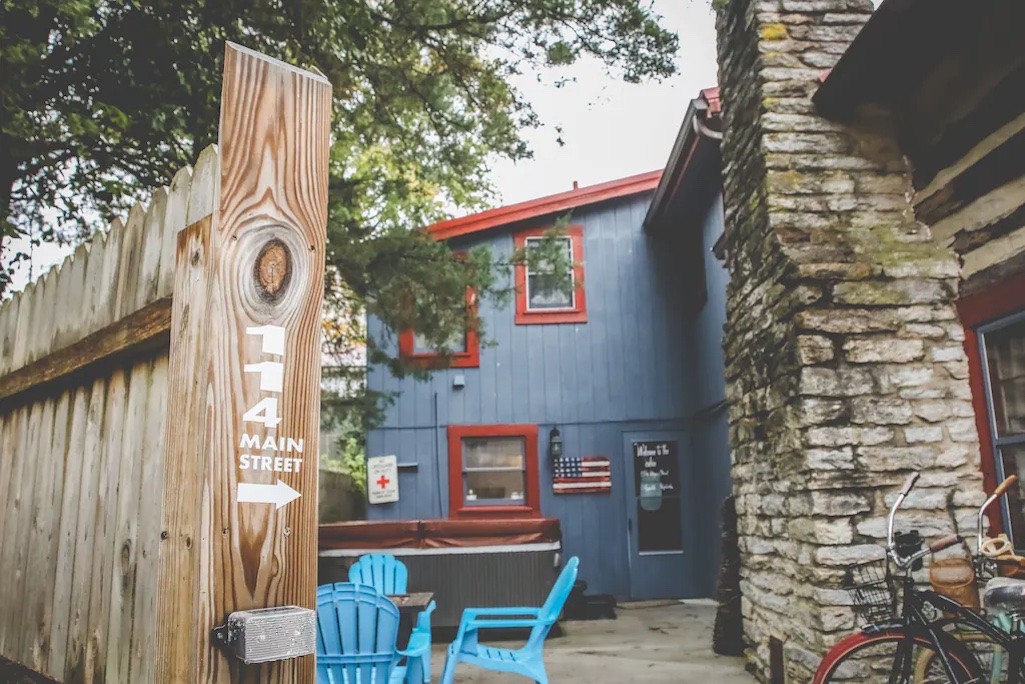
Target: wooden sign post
[(240, 474)]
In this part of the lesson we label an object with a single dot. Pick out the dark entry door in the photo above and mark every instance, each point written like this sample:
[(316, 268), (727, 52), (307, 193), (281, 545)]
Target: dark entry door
[(656, 515)]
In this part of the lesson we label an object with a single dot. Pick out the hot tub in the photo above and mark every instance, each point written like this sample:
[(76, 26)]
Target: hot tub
[(466, 563)]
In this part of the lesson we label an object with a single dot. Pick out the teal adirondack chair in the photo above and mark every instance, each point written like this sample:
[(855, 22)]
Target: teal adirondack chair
[(527, 661), (382, 571), (388, 575), (356, 631)]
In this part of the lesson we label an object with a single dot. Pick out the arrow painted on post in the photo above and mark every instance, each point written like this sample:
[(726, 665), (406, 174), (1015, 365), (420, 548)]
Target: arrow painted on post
[(278, 494)]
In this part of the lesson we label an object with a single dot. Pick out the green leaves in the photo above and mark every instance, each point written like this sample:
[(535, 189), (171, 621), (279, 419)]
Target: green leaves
[(103, 100)]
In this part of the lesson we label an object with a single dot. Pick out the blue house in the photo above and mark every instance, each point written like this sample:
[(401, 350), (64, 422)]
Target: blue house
[(601, 404)]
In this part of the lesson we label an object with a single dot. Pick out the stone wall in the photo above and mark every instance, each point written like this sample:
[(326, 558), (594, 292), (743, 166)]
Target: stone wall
[(844, 358)]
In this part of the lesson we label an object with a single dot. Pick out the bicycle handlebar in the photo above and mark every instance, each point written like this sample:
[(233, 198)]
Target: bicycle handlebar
[(1005, 485), (908, 484), (945, 543), (938, 545), (1000, 490)]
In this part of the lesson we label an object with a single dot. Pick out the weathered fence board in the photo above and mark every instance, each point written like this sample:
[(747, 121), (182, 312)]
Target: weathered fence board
[(102, 536)]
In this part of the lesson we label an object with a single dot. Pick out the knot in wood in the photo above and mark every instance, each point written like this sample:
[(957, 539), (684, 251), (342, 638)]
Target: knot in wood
[(272, 270)]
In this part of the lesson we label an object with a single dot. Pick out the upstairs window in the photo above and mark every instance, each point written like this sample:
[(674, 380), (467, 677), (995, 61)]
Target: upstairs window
[(463, 348), (541, 296)]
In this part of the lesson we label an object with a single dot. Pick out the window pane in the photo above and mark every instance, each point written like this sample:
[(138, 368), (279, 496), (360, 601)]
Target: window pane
[(1013, 458), (1005, 351), (659, 524), (501, 484), (547, 292), (493, 452), (457, 343)]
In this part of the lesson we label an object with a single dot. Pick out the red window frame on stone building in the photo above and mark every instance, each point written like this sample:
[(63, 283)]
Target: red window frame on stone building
[(460, 470), (985, 313), (577, 313)]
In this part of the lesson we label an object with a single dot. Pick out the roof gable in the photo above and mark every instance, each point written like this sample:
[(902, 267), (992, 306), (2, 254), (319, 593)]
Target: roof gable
[(563, 201)]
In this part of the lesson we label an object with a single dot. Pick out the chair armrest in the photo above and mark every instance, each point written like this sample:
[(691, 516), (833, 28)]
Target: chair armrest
[(423, 620), (473, 613), (418, 645), (496, 624)]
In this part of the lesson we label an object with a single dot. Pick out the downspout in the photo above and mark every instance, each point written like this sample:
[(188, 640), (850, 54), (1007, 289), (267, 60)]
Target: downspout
[(437, 455)]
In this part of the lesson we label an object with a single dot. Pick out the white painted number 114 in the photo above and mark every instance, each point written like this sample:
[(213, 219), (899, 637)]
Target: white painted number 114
[(272, 376)]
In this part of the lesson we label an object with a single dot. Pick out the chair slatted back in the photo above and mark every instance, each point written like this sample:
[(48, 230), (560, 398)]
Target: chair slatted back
[(552, 608), (382, 571), (356, 632)]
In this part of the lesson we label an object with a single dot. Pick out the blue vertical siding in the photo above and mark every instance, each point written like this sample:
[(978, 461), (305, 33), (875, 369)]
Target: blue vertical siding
[(710, 444), (632, 367)]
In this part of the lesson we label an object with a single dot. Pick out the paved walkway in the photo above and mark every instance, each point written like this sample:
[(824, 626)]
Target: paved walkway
[(670, 644)]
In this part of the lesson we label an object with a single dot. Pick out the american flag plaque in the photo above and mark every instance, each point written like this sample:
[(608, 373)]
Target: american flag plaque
[(586, 475)]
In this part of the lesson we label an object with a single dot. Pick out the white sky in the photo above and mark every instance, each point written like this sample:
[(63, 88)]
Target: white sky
[(611, 129)]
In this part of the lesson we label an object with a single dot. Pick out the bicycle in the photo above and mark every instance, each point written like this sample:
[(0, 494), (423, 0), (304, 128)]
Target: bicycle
[(990, 553), (903, 640)]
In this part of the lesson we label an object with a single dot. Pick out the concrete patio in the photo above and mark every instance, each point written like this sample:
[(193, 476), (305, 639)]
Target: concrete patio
[(664, 643)]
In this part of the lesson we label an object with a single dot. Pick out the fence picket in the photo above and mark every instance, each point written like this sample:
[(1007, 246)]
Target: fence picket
[(10, 475), (106, 519), (37, 542), (68, 533), (23, 503), (44, 570), (106, 307), (16, 436), (42, 331), (72, 300), (203, 193), (29, 301), (128, 274), (82, 566), (126, 523), (174, 221), (7, 334), (152, 237), (144, 612)]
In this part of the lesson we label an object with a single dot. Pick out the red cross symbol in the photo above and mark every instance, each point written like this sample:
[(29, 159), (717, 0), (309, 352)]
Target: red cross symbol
[(383, 482)]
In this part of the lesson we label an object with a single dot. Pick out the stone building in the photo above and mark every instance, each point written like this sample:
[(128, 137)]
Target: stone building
[(874, 183)]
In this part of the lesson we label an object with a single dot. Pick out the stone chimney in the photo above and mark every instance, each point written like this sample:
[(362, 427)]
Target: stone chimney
[(844, 356)]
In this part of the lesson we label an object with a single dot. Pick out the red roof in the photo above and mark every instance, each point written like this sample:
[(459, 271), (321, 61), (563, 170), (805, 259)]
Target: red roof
[(542, 206)]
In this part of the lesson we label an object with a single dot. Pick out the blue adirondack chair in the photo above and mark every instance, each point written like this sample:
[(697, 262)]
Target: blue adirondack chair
[(382, 571), (356, 631), (388, 575), (527, 661)]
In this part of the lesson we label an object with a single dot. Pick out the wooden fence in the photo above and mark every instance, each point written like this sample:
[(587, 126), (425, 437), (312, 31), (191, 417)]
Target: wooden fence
[(109, 570)]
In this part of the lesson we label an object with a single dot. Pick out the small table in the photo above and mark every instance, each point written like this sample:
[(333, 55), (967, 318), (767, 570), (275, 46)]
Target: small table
[(410, 606)]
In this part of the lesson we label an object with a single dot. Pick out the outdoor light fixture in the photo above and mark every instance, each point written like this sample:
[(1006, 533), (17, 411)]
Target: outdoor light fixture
[(554, 444), (266, 634)]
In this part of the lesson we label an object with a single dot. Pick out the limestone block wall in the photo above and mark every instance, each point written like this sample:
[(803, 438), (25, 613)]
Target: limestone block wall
[(844, 355)]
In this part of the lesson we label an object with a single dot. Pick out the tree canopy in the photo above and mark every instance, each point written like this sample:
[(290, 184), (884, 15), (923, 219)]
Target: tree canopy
[(102, 100)]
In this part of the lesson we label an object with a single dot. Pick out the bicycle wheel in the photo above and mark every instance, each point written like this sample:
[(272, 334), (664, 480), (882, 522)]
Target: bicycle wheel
[(882, 658), (992, 657)]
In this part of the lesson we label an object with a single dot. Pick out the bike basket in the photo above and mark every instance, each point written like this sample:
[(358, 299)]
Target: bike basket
[(873, 591)]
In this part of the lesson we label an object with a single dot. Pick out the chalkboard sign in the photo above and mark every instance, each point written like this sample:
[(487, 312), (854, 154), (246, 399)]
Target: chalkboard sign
[(657, 487), (656, 462)]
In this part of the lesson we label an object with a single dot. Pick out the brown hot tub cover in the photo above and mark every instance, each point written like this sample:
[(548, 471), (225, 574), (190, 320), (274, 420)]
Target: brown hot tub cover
[(432, 534)]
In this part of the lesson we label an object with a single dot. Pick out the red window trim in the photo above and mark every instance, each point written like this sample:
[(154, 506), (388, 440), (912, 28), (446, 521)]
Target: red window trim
[(578, 314), (464, 359), (457, 508), (997, 301)]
